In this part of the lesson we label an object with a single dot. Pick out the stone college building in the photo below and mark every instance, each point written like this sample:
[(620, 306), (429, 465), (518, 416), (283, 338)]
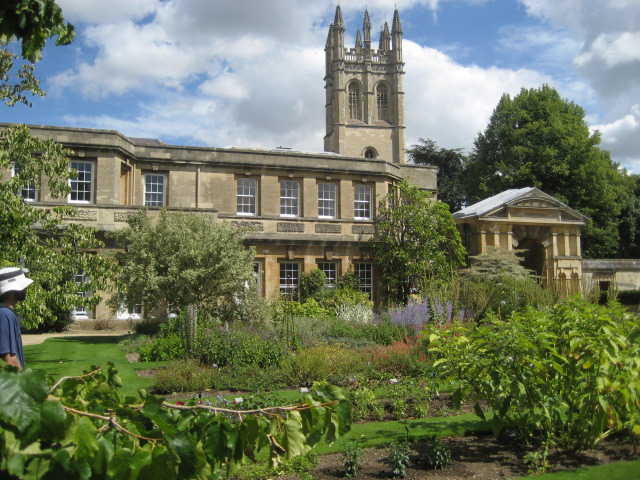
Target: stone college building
[(306, 210)]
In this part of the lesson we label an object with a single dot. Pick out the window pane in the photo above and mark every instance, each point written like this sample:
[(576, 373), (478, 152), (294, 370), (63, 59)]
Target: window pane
[(246, 199), (154, 190), (327, 200), (28, 192), (362, 201), (81, 185), (330, 270), (289, 194), (365, 274), (289, 278), (382, 101), (79, 280), (354, 101)]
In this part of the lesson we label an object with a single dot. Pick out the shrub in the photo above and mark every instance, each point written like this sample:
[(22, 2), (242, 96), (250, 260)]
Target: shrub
[(398, 458), (169, 347), (104, 323), (183, 376), (409, 398), (247, 378), (383, 332), (565, 376), (354, 313), (321, 363), (404, 358), (629, 297), (311, 283), (310, 331), (352, 456), (437, 454), (147, 326), (240, 347), (365, 404)]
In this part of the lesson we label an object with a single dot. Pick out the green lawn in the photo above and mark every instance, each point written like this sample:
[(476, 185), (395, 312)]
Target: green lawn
[(612, 471), (377, 434), (69, 356)]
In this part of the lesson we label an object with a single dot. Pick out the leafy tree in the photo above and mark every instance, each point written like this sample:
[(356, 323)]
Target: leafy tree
[(53, 254), (629, 227), (35, 236), (182, 260), (32, 23), (537, 139), (451, 165), (416, 243)]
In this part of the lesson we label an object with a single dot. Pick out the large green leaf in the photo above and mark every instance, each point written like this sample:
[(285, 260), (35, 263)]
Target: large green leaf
[(21, 401), (85, 440), (53, 419)]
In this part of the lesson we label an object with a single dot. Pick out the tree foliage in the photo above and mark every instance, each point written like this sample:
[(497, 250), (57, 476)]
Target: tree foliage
[(629, 227), (32, 23), (181, 260), (537, 139), (81, 427), (451, 165), (564, 376), (416, 243), (53, 253)]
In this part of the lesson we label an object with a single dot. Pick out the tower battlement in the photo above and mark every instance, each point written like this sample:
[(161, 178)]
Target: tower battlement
[(364, 92)]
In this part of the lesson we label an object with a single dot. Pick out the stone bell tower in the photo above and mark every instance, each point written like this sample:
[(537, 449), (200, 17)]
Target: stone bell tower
[(365, 96)]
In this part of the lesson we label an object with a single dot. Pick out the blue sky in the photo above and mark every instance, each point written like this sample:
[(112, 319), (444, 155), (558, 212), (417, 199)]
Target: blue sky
[(250, 73)]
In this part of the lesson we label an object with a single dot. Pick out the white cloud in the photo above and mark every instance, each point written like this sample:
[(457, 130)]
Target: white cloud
[(622, 139), (111, 11), (608, 60), (450, 103), (250, 72)]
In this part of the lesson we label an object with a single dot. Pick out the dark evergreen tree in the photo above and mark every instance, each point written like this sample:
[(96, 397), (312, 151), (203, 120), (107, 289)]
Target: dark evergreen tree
[(451, 165)]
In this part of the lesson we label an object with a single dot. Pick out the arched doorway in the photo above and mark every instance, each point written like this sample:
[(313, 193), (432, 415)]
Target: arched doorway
[(533, 255)]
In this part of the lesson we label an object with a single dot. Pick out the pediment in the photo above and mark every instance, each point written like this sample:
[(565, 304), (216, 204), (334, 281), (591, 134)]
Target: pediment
[(520, 204)]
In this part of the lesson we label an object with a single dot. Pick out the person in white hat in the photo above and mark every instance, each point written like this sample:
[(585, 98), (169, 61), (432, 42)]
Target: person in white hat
[(13, 289)]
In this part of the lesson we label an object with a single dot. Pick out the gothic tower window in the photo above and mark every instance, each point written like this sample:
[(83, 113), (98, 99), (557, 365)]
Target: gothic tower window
[(382, 101), (355, 110)]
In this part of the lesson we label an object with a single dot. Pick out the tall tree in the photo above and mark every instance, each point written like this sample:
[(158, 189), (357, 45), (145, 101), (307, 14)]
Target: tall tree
[(416, 243), (182, 259), (52, 251), (537, 139), (629, 227), (451, 165)]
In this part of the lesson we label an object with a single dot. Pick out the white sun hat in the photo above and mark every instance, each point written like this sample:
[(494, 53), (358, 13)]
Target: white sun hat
[(13, 279)]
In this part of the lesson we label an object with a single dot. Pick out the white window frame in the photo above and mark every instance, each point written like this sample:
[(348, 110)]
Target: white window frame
[(289, 279), (130, 313), (362, 201), (29, 193), (330, 270), (247, 196), (80, 313), (364, 271), (289, 198), (327, 199), (82, 180), (155, 189)]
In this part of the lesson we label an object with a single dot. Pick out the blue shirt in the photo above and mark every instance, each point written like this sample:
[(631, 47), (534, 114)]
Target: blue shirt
[(10, 337)]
